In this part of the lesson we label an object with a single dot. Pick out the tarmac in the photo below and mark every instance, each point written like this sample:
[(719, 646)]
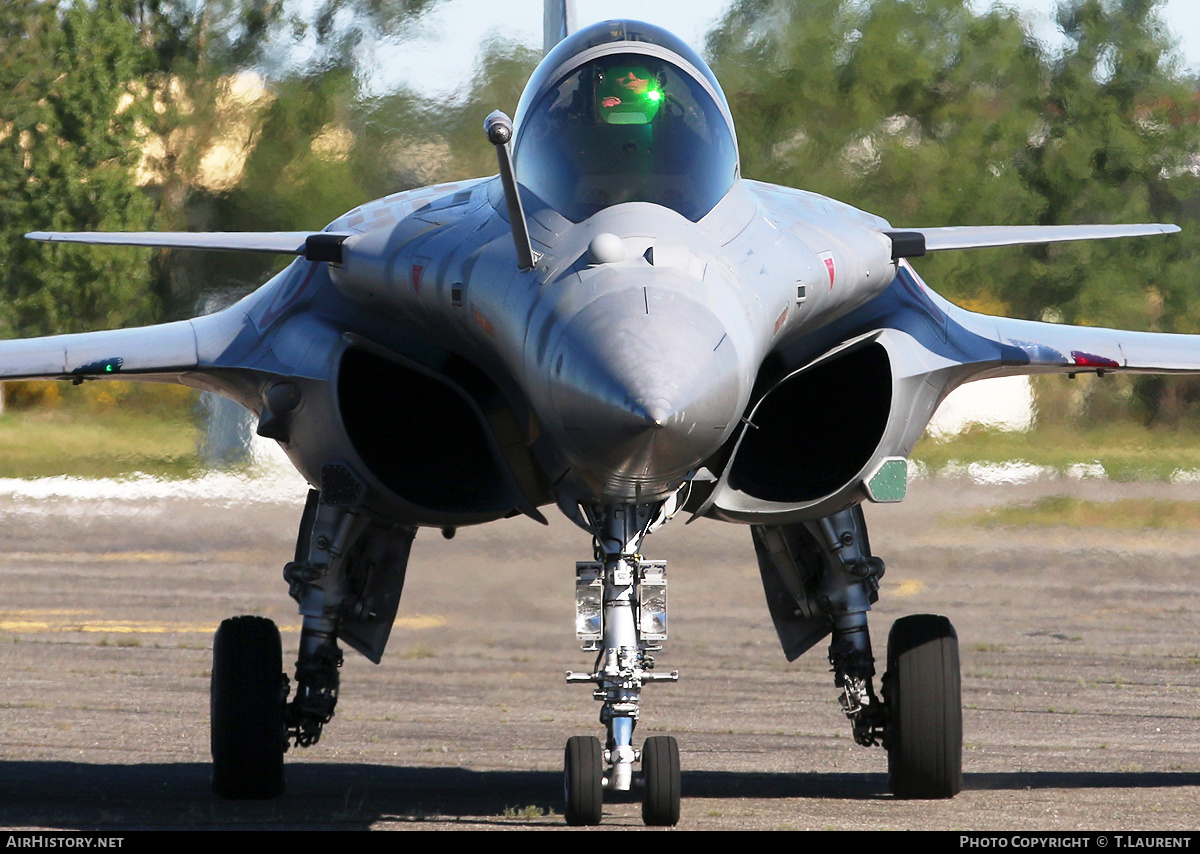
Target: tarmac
[(1080, 659)]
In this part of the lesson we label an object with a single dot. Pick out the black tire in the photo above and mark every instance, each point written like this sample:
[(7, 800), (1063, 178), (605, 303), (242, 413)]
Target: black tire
[(660, 772), (583, 780), (923, 693), (248, 695)]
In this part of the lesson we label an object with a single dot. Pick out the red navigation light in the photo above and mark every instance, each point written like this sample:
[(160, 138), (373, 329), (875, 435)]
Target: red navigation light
[(1090, 360)]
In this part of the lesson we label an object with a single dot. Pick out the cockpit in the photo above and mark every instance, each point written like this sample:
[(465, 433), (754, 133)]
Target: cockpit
[(624, 112)]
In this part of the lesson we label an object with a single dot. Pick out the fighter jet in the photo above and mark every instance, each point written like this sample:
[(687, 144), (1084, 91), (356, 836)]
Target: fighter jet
[(621, 326)]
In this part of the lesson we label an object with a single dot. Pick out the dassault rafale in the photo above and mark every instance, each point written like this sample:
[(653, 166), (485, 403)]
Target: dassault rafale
[(620, 326)]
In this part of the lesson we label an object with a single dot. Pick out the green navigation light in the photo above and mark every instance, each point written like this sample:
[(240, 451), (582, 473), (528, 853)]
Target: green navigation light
[(100, 366)]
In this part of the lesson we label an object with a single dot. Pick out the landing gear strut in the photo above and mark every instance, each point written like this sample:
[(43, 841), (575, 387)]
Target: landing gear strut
[(847, 588), (621, 615)]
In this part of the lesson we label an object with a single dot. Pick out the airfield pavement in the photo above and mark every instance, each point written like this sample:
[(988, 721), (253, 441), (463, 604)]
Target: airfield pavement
[(1080, 653)]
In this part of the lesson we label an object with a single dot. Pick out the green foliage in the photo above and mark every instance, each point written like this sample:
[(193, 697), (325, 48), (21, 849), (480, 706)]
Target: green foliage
[(931, 114), (326, 143), (301, 173), (497, 84), (896, 107), (112, 114), (201, 53), (1119, 142), (315, 141), (69, 145), (922, 112)]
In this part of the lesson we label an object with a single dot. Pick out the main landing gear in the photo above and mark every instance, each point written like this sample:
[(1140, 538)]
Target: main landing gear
[(820, 578), (621, 614), (347, 578)]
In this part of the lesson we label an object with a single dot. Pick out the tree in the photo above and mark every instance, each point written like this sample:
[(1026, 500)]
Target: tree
[(294, 152), (1119, 144), (931, 114), (69, 146), (919, 111), (497, 83)]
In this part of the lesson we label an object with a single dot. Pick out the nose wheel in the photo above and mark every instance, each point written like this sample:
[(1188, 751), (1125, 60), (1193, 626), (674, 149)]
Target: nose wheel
[(583, 781), (660, 773)]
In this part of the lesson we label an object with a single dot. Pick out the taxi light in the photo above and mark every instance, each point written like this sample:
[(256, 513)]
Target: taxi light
[(589, 603)]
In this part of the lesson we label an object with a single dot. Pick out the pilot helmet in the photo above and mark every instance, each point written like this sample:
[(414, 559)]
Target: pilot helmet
[(628, 95)]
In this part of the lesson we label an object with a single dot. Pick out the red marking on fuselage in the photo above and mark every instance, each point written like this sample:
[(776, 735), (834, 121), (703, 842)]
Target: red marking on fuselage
[(827, 259), (779, 322), (417, 270)]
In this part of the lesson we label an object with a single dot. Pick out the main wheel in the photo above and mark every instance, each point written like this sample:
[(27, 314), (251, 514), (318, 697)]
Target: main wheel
[(248, 695), (660, 772), (923, 693), (583, 780)]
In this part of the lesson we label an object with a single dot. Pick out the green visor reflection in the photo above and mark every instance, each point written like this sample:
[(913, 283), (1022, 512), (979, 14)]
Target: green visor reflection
[(628, 95)]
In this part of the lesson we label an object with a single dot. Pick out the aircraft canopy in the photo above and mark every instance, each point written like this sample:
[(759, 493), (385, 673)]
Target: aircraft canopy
[(626, 121)]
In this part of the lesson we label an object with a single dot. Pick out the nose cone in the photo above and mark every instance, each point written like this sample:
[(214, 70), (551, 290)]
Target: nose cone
[(645, 385)]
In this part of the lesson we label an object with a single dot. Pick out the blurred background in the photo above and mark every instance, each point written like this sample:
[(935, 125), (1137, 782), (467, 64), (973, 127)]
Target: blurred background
[(281, 114)]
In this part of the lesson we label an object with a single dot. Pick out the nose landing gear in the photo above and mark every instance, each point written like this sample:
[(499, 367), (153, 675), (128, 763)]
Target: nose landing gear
[(621, 614)]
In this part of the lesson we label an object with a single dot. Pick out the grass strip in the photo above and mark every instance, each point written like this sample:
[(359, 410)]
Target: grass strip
[(1065, 510), (109, 443), (1127, 451)]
